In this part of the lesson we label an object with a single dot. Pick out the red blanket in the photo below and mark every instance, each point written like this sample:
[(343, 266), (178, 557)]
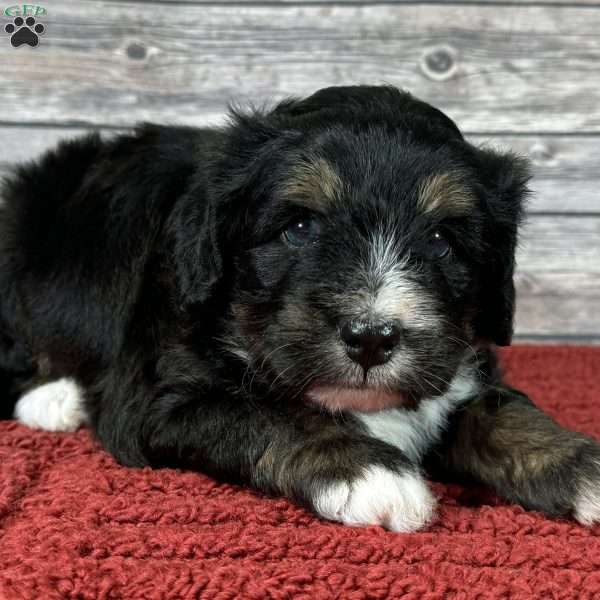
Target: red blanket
[(73, 524)]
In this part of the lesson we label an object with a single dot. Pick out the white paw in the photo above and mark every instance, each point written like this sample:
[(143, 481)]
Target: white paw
[(587, 505), (396, 501), (56, 406)]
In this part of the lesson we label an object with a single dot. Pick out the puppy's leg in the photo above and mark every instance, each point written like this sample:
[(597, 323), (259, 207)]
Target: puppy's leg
[(348, 478), (503, 440), (328, 464), (54, 406)]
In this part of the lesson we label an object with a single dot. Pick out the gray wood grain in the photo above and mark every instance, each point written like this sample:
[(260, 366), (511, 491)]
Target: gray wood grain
[(566, 243), (558, 303), (491, 67), (566, 169)]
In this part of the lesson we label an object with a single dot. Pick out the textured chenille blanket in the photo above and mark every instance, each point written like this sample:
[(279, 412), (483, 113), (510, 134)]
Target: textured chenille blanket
[(74, 524)]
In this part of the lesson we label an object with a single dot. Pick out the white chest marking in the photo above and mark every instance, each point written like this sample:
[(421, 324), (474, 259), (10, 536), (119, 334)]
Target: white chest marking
[(414, 432), (55, 406)]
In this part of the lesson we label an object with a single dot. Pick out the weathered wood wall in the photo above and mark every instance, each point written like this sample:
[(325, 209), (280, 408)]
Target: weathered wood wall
[(520, 74)]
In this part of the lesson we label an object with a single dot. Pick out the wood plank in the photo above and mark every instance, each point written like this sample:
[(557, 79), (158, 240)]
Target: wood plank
[(558, 303), (568, 244), (491, 67), (566, 168)]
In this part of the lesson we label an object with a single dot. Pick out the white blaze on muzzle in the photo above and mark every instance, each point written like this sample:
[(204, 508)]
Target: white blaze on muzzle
[(386, 288)]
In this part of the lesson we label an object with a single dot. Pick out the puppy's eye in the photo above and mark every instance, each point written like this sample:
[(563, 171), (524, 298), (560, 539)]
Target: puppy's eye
[(438, 246), (301, 232)]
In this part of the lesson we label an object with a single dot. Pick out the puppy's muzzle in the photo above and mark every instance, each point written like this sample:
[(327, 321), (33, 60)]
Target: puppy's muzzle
[(370, 343)]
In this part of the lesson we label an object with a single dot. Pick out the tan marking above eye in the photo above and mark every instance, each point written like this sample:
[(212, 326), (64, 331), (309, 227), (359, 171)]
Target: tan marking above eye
[(445, 191), (314, 183)]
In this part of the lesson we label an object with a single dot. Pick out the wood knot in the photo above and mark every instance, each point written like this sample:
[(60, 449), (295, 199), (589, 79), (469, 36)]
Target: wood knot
[(439, 63), (136, 51)]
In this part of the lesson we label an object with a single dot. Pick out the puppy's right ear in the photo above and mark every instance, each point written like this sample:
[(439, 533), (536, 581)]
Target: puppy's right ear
[(197, 248), (212, 216)]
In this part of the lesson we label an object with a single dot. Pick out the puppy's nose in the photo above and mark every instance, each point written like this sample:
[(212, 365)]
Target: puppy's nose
[(370, 344)]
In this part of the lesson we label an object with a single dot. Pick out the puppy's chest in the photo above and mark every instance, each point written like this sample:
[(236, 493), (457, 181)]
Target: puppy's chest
[(415, 431)]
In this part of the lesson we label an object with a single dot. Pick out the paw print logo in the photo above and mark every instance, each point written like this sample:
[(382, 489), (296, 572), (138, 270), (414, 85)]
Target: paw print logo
[(24, 31)]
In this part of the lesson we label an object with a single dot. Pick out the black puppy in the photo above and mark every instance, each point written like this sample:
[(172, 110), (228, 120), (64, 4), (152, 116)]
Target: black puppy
[(305, 301)]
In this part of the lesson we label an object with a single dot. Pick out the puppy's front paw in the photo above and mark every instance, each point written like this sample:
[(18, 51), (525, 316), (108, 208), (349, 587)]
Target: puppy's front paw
[(587, 499), (55, 406), (396, 501), (573, 484)]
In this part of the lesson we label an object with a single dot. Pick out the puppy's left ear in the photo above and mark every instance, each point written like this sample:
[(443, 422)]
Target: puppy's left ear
[(504, 178)]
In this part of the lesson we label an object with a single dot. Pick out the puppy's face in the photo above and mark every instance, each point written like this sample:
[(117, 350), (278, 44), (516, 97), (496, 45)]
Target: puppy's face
[(363, 260)]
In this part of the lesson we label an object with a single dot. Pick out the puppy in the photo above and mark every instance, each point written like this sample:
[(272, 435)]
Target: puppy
[(305, 301)]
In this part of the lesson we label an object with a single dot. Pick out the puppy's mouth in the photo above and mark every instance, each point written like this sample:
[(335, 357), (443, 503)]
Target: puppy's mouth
[(361, 399)]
